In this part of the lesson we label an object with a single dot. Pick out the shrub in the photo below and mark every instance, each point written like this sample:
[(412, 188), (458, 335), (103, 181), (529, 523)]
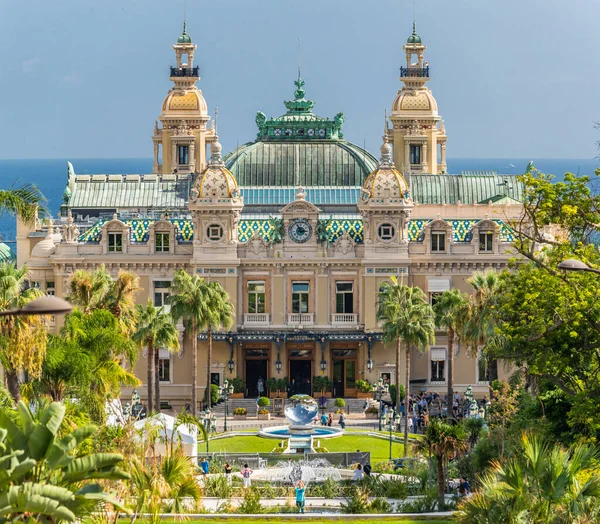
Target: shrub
[(240, 411), (239, 386), (380, 505), (251, 503), (214, 394), (282, 384), (217, 486), (321, 383), (358, 501), (393, 390), (425, 504), (339, 403), (272, 384), (321, 449), (263, 411), (263, 402), (364, 386), (372, 410)]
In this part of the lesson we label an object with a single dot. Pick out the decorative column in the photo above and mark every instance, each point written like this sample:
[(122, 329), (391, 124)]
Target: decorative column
[(155, 167), (424, 163), (443, 164), (192, 157), (173, 157), (407, 155)]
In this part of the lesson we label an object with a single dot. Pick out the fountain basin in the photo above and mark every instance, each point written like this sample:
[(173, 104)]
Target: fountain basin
[(281, 432)]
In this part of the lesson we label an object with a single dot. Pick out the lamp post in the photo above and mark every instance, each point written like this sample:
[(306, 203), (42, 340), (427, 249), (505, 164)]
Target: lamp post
[(226, 390), (394, 420), (572, 264), (380, 388)]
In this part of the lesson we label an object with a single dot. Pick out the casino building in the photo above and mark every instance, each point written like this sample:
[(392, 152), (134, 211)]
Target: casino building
[(300, 226)]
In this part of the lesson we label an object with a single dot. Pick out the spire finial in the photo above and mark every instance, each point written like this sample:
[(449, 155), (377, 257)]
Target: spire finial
[(299, 49), (385, 127), (216, 122), (184, 15)]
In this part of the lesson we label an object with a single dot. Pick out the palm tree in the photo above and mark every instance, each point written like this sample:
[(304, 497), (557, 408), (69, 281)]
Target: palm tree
[(443, 441), (24, 201), (155, 330), (90, 290), (22, 338), (203, 306), (450, 311), (541, 482), (480, 320), (407, 319)]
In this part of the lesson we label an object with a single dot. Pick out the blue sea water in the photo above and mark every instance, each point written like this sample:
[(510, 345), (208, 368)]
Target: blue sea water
[(50, 175)]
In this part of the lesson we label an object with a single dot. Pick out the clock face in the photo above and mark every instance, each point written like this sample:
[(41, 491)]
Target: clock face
[(300, 230), (311, 132), (288, 132), (277, 132), (321, 132)]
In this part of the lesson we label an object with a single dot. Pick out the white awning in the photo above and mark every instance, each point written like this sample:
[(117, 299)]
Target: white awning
[(438, 353), (438, 285)]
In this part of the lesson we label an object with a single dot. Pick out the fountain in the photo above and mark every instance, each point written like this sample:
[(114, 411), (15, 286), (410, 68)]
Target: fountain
[(291, 471), (300, 433)]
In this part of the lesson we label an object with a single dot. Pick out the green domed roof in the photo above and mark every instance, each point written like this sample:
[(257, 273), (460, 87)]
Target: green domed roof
[(414, 38), (300, 148), (184, 38)]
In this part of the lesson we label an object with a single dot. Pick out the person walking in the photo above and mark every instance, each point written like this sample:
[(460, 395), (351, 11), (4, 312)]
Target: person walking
[(324, 419), (367, 469), (260, 386), (227, 469), (342, 421), (300, 492), (246, 474), (329, 420)]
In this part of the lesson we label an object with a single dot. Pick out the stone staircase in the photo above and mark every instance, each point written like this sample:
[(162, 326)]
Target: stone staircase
[(353, 406)]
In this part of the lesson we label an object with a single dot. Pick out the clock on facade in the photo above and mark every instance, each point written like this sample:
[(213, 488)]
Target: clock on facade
[(300, 230), (311, 132), (321, 133), (277, 132)]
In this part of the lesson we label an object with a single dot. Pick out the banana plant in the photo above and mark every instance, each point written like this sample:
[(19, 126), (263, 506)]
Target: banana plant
[(41, 475)]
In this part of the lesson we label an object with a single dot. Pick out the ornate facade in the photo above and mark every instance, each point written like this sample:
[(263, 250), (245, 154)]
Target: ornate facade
[(300, 226)]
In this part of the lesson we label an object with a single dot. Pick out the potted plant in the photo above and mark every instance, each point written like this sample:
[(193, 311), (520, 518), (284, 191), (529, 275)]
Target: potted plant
[(339, 403), (272, 387), (282, 386), (240, 413), (372, 412), (239, 388), (263, 414), (365, 389), (322, 385)]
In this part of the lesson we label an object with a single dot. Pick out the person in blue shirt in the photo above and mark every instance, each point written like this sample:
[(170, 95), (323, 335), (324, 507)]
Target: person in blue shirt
[(300, 491), (204, 465), (324, 419)]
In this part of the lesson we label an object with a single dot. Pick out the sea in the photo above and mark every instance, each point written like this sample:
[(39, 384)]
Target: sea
[(50, 175)]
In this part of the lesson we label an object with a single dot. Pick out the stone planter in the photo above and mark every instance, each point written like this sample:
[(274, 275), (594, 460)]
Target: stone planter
[(239, 417), (361, 394), (266, 416), (327, 394), (274, 394), (236, 395)]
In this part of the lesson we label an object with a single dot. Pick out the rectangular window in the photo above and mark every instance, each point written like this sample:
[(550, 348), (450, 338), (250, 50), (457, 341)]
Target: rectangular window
[(256, 297), (162, 242), (438, 364), (162, 291), (344, 297), (164, 369), (115, 242), (300, 295), (438, 241), (415, 154), (35, 285), (434, 297), (486, 239), (50, 288), (183, 153)]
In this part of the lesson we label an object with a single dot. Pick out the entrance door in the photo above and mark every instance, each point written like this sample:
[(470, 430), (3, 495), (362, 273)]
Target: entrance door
[(300, 377), (338, 378), (255, 370), (344, 372)]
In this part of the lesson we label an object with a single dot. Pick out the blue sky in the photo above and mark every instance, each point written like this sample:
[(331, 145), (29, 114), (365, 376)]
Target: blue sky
[(86, 78)]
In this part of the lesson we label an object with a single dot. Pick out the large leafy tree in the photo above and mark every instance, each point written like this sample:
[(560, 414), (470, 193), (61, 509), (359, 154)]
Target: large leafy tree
[(540, 482), (203, 306), (408, 320), (46, 477), (84, 362), (90, 290), (451, 310), (22, 338), (26, 202), (155, 331), (442, 441)]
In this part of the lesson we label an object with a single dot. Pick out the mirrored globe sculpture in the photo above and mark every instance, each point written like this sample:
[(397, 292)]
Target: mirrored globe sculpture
[(301, 411)]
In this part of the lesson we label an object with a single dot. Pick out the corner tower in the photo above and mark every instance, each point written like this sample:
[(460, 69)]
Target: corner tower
[(181, 138), (418, 133)]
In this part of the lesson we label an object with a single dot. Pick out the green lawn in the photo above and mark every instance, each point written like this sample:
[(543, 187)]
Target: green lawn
[(380, 449), (346, 519)]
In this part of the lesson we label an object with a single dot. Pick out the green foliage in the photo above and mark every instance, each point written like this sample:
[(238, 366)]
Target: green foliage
[(45, 476), (393, 393), (321, 231), (214, 394), (239, 386), (276, 230), (321, 384), (541, 482), (263, 402), (282, 384), (364, 386), (217, 486), (271, 384), (390, 488), (26, 202), (426, 503), (358, 501), (251, 503), (339, 403)]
